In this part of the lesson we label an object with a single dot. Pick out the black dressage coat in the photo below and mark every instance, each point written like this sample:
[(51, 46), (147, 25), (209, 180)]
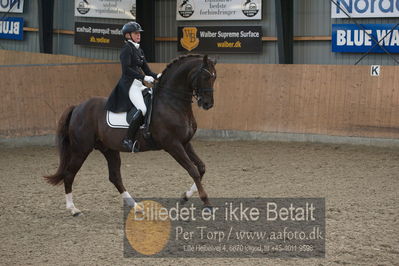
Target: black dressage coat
[(133, 61)]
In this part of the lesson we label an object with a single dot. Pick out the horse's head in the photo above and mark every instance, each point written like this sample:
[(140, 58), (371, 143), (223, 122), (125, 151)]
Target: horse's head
[(203, 83), (188, 76)]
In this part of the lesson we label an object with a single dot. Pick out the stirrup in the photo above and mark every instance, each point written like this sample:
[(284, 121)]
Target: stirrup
[(128, 144)]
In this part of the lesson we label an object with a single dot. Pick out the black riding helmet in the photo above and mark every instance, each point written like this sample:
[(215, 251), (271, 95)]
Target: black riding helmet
[(131, 27)]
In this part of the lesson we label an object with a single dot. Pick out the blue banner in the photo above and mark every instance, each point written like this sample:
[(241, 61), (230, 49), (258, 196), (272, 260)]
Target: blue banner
[(12, 28), (350, 38)]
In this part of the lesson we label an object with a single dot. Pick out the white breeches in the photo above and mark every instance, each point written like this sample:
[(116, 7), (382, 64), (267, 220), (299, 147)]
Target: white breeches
[(136, 95)]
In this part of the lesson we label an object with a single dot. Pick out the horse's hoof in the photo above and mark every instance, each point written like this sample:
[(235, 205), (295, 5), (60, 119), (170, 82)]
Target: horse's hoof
[(183, 198), (77, 214), (138, 208), (75, 211)]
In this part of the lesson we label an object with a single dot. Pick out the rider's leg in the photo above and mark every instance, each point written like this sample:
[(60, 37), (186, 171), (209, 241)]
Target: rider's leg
[(136, 96), (137, 121)]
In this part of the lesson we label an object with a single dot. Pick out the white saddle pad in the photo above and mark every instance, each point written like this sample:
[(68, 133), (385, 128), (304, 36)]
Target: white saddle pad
[(117, 120)]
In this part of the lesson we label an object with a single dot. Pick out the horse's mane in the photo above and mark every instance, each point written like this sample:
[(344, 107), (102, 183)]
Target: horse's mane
[(180, 58), (176, 61)]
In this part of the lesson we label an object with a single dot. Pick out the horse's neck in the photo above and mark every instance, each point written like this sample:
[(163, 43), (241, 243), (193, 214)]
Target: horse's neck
[(178, 88), (181, 80)]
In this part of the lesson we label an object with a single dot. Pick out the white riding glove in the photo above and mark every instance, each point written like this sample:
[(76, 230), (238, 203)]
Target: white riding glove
[(159, 75), (149, 79)]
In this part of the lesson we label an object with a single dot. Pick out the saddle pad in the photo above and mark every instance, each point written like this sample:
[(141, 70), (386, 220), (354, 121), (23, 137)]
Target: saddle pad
[(117, 120)]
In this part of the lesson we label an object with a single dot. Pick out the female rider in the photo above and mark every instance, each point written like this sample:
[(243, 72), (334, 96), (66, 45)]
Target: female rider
[(128, 91)]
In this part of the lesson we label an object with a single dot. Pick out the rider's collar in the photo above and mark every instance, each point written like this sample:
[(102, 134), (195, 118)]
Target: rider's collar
[(137, 45)]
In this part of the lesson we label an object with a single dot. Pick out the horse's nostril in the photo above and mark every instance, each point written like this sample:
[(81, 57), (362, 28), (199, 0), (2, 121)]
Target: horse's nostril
[(208, 105)]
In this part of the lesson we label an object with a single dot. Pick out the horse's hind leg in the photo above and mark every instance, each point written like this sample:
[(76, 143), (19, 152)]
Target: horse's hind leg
[(179, 153), (114, 168), (75, 163)]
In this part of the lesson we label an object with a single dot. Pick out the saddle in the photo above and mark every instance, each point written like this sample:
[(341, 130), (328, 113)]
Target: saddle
[(123, 120)]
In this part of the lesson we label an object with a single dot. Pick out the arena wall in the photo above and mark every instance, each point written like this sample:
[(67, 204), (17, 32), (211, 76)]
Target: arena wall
[(9, 57), (311, 99), (315, 99)]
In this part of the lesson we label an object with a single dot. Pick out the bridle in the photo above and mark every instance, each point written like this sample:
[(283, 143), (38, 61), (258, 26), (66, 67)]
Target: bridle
[(198, 91)]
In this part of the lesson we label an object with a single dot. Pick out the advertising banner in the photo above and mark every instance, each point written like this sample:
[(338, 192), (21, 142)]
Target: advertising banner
[(12, 6), (219, 10), (350, 38), (365, 8), (119, 9), (12, 28), (97, 34), (223, 39)]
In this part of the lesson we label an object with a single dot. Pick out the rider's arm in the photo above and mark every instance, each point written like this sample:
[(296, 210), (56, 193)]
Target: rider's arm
[(147, 70)]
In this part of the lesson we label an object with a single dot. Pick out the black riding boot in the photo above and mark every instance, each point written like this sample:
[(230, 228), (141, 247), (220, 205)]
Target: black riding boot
[(128, 141)]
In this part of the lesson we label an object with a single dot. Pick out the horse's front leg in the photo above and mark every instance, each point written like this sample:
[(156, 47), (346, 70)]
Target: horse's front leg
[(195, 159), (200, 166), (179, 153)]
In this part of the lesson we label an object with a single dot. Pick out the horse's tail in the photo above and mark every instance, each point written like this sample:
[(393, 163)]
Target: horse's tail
[(63, 145)]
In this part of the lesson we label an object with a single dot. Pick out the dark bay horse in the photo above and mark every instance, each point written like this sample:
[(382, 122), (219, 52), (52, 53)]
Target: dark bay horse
[(83, 128)]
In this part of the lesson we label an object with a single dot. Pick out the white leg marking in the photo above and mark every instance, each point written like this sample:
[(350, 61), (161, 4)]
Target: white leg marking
[(193, 189), (69, 201), (70, 206), (130, 201), (126, 195)]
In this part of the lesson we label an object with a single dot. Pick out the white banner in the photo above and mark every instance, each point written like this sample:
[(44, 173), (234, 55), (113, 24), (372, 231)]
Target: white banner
[(219, 9), (12, 6), (365, 9), (119, 9)]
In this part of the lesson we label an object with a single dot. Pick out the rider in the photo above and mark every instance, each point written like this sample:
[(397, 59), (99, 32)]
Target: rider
[(128, 91)]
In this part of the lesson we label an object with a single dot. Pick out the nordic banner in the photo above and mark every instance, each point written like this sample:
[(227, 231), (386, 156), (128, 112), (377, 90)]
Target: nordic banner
[(119, 9), (350, 38), (12, 6), (218, 9), (97, 34), (365, 8), (223, 39)]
